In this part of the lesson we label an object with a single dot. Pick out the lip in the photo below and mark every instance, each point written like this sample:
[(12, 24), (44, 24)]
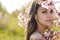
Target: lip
[(49, 20)]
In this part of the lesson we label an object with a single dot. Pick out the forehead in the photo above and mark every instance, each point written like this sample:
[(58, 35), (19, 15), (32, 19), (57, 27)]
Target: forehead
[(42, 8)]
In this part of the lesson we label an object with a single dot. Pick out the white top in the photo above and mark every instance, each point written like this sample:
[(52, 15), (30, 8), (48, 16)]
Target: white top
[(35, 36), (46, 36)]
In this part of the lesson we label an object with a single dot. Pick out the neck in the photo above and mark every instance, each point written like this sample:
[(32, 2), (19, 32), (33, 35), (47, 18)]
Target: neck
[(41, 28)]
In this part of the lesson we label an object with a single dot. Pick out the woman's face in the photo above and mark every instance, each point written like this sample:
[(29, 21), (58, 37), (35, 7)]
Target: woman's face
[(44, 16)]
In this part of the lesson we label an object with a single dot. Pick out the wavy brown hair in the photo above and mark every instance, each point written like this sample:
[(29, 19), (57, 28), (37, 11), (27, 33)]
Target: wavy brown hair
[(32, 24)]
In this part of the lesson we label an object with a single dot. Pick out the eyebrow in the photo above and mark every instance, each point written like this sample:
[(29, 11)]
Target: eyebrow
[(51, 9), (44, 9)]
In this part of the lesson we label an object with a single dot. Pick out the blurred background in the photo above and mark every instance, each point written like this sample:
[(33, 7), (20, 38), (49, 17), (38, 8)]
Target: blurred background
[(14, 15)]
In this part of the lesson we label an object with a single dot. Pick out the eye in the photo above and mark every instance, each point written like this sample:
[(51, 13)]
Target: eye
[(44, 12), (44, 0), (51, 11)]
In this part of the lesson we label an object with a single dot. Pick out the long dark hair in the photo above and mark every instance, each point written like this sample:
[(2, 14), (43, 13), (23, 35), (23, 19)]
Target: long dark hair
[(32, 25)]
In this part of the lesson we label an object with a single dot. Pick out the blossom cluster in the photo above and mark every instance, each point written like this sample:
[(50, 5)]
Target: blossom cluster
[(46, 4)]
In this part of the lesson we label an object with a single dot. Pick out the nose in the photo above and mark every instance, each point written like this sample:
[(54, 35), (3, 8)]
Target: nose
[(50, 15)]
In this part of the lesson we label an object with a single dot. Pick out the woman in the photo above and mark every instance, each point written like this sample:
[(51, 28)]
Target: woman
[(41, 20)]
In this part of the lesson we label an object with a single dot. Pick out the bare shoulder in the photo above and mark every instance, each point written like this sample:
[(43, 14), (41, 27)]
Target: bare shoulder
[(35, 36)]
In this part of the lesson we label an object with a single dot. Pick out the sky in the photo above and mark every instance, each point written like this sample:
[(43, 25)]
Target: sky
[(11, 5)]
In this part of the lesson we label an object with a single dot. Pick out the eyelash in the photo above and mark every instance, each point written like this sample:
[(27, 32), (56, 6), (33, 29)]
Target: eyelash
[(44, 12), (51, 12)]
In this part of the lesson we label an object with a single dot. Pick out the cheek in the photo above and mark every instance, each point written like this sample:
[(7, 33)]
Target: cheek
[(41, 18)]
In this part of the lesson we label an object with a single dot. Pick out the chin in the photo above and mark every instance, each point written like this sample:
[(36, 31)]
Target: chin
[(49, 24)]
